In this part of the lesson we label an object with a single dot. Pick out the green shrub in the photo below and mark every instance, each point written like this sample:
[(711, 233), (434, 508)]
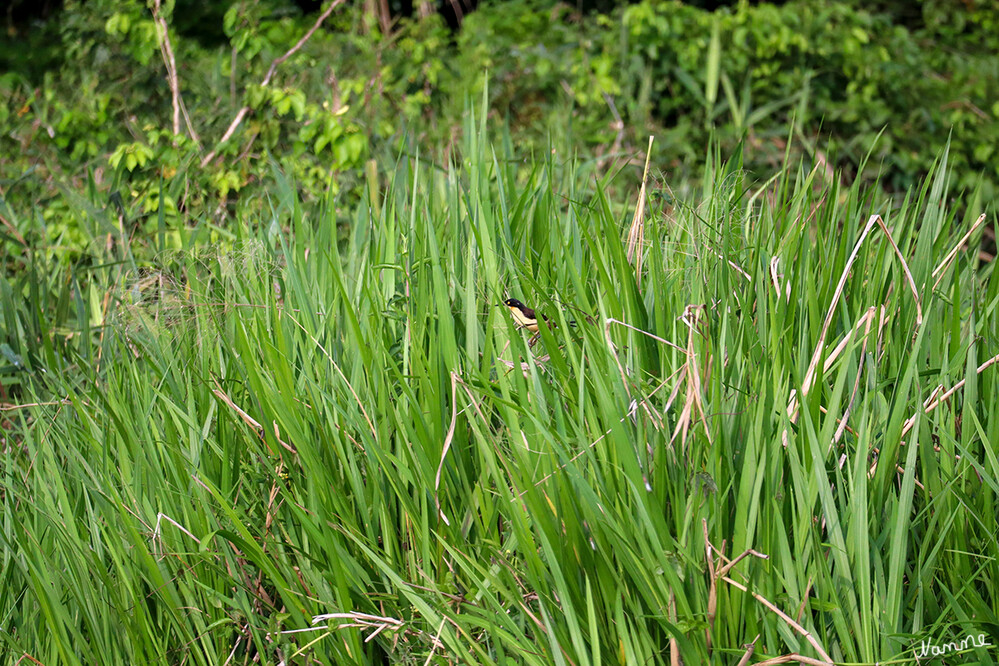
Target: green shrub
[(837, 79)]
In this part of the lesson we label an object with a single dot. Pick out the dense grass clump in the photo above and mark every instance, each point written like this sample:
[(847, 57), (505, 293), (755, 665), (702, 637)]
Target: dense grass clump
[(774, 423)]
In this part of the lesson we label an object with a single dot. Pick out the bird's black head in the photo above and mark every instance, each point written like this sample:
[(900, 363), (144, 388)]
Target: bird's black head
[(514, 303)]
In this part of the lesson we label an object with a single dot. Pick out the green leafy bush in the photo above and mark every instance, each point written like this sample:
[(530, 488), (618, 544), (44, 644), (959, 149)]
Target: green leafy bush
[(836, 78)]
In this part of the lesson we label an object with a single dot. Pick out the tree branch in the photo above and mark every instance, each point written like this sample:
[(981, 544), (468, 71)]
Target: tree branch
[(166, 50), (242, 113)]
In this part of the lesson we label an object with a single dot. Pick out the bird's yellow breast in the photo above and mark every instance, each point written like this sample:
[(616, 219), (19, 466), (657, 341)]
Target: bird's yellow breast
[(530, 323)]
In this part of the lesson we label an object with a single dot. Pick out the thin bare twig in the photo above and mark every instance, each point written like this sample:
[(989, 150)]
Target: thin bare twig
[(790, 622), (793, 658), (749, 652), (437, 642), (720, 572), (242, 113), (9, 408), (168, 60), (723, 571), (157, 533), (12, 229), (166, 50)]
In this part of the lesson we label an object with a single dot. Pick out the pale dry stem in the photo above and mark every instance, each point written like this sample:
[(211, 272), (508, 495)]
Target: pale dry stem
[(933, 404), (720, 573), (249, 420), (938, 271), (636, 232)]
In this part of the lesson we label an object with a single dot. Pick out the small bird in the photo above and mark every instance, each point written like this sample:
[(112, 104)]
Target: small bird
[(526, 317), (523, 315)]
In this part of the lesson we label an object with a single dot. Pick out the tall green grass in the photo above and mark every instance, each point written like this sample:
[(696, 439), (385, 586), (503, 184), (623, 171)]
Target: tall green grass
[(301, 425)]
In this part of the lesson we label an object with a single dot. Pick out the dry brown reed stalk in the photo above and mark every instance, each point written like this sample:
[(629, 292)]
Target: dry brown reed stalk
[(750, 648), (938, 272), (932, 402), (794, 658), (636, 232), (249, 420), (820, 346), (693, 317), (721, 571), (674, 648), (455, 380), (775, 277), (448, 438)]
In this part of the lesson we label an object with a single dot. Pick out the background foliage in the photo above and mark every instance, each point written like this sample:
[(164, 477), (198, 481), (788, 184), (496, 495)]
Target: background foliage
[(262, 380), (90, 108)]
